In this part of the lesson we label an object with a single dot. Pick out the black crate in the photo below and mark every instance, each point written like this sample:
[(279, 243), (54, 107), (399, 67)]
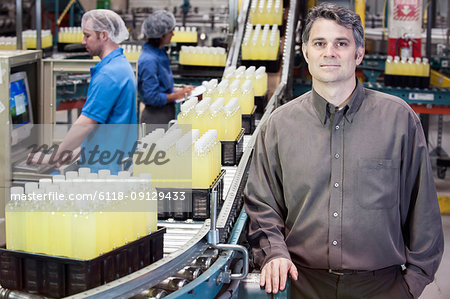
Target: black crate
[(260, 103), (176, 46), (272, 66), (195, 204), (55, 276), (248, 122), (232, 150)]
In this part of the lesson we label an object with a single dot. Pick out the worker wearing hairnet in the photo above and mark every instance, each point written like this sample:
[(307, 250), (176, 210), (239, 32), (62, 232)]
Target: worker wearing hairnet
[(155, 78), (111, 98)]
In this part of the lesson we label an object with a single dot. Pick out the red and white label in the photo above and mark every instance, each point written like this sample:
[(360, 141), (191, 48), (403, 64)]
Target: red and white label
[(406, 10)]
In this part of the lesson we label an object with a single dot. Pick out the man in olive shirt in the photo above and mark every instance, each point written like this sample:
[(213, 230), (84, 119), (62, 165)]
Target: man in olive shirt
[(340, 193)]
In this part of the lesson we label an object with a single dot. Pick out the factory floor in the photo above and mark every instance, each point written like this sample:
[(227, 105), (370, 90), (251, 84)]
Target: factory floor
[(440, 287)]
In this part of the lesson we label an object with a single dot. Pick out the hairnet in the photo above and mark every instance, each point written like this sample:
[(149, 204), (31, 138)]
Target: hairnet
[(158, 23), (105, 20)]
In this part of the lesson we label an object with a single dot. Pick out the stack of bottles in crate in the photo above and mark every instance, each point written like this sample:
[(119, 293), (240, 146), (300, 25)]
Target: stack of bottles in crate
[(260, 44), (407, 72), (10, 43), (257, 76), (266, 12), (29, 37), (203, 56), (80, 215), (70, 35), (183, 152), (184, 35), (219, 115)]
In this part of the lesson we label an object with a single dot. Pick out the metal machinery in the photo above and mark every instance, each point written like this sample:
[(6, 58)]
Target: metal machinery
[(12, 62), (199, 257)]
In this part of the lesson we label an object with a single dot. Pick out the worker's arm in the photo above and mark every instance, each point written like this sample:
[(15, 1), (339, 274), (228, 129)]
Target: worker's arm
[(265, 207), (422, 227), (82, 127), (179, 93)]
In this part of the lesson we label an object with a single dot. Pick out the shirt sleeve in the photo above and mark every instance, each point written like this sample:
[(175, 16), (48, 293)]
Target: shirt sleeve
[(102, 96), (264, 201), (149, 84), (422, 228)]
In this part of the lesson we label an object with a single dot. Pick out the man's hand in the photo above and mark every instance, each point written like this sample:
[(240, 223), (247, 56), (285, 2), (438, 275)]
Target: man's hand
[(274, 274)]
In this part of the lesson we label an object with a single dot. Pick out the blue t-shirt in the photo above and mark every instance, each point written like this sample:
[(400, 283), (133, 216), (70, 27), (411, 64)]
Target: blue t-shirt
[(155, 78), (111, 101)]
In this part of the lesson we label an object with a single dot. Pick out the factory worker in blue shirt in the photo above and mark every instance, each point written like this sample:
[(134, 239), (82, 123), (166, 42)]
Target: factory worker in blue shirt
[(106, 128), (155, 78)]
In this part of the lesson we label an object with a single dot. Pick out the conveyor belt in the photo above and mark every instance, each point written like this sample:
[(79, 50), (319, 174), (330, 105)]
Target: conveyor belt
[(178, 233)]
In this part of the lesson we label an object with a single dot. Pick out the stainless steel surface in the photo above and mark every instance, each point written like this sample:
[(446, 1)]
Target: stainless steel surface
[(9, 294), (213, 235), (244, 252)]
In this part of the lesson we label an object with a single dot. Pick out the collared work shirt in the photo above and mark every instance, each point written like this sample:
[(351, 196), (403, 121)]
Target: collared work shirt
[(111, 101), (345, 189), (155, 78), (111, 97)]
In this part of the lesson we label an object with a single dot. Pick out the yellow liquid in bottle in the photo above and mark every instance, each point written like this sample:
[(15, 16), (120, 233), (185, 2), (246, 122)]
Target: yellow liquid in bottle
[(151, 216), (201, 171), (261, 85), (139, 223), (60, 233), (84, 235), (103, 233), (15, 220), (247, 98)]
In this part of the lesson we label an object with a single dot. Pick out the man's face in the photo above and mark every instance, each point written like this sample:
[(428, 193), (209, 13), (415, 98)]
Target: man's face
[(93, 42), (331, 52)]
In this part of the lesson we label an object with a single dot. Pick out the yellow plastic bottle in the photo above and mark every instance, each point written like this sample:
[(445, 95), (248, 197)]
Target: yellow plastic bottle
[(216, 117), (234, 88), (253, 12), (15, 221), (395, 66), (250, 75), (210, 87), (278, 12), (260, 12), (246, 97), (201, 115), (187, 112), (233, 120), (222, 91), (260, 81), (84, 235), (200, 173)]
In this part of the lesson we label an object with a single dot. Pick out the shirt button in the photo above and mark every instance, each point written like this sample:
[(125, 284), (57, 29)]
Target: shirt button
[(336, 185), (336, 156), (335, 242), (335, 214), (337, 127)]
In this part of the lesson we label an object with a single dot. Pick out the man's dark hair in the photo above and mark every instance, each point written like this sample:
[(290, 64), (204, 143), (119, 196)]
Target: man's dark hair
[(341, 15)]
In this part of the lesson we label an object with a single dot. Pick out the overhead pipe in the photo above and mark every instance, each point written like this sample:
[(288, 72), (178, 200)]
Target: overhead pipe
[(19, 45)]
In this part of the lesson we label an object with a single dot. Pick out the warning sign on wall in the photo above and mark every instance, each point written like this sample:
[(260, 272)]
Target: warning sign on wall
[(406, 10)]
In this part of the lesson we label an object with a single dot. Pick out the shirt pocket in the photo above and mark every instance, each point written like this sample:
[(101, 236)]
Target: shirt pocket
[(378, 183)]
